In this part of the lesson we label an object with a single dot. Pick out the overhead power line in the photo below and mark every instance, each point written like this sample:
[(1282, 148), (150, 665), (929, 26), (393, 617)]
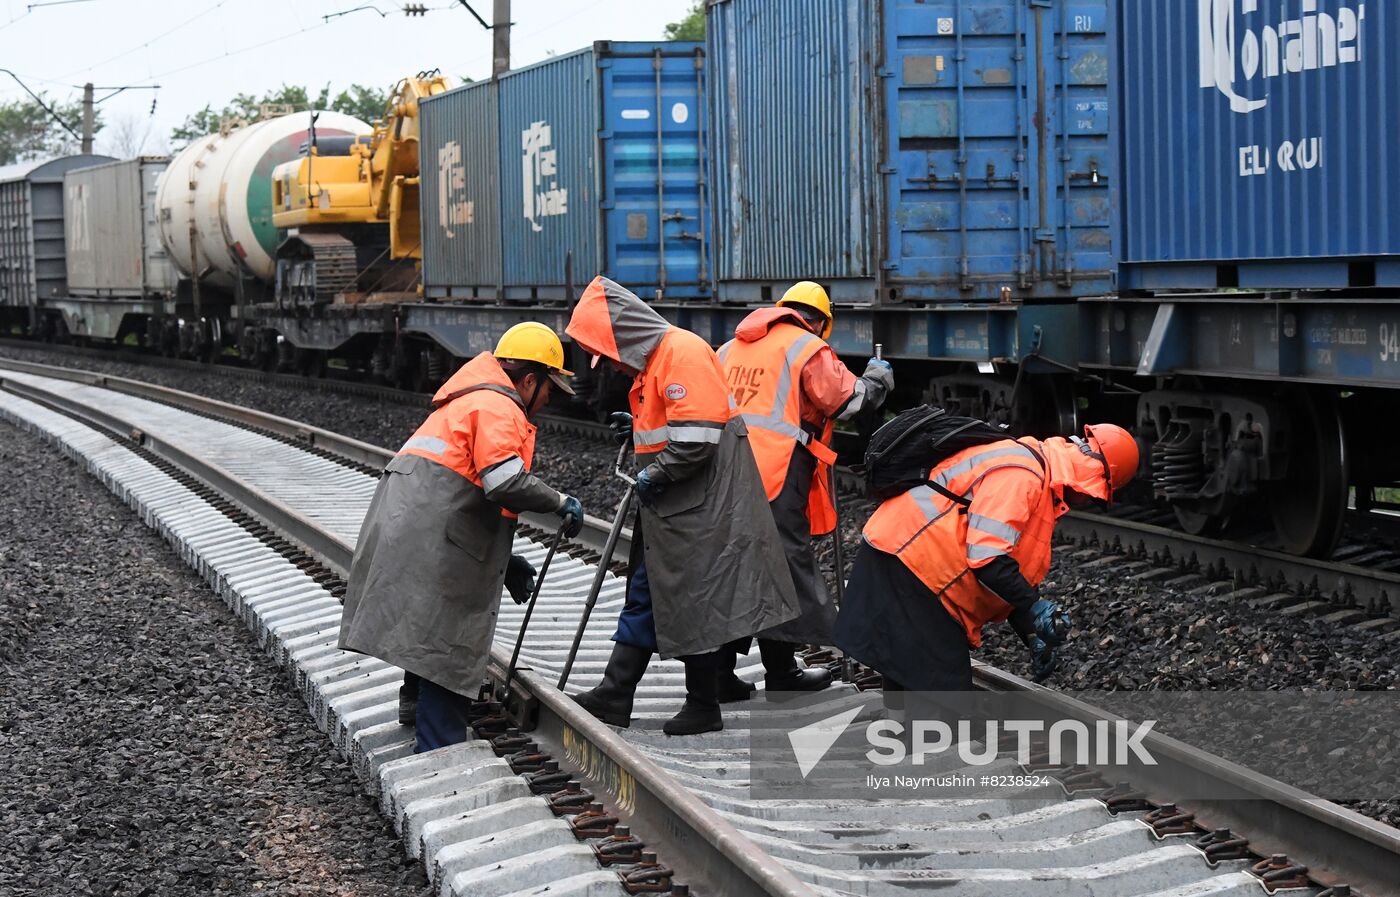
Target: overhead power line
[(45, 106)]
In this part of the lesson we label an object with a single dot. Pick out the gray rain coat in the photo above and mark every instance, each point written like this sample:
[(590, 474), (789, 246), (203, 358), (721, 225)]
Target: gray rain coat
[(713, 555), (431, 558)]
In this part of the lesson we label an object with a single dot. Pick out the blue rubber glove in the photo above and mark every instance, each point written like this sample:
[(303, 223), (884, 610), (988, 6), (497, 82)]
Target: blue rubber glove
[(620, 422), (881, 370), (1051, 624), (1044, 660), (520, 579), (571, 511), (649, 488)]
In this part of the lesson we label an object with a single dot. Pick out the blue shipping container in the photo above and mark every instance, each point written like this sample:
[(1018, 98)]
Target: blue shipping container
[(998, 156), (601, 157), (794, 143), (1260, 143), (460, 208)]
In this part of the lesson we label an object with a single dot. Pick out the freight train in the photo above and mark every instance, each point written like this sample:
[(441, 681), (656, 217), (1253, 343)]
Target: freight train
[(1176, 214)]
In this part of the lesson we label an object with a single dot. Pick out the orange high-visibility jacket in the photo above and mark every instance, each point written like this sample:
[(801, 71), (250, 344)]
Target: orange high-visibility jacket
[(1012, 503), (778, 387), (478, 428), (679, 397)]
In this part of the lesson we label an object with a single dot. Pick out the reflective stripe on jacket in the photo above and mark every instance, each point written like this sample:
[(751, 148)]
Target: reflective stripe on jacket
[(1011, 508), (679, 397)]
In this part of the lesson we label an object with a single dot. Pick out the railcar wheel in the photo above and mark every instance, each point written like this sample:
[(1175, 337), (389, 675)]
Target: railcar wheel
[(1308, 505)]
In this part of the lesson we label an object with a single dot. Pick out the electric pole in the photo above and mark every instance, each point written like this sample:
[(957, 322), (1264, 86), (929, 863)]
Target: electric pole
[(87, 118), (500, 37)]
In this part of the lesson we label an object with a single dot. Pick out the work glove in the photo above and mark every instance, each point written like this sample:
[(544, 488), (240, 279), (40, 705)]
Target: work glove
[(571, 512), (1045, 659), (520, 579), (649, 486), (880, 370), (1050, 623), (620, 422)]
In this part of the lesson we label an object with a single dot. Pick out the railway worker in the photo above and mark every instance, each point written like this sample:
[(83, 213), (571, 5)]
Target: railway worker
[(790, 387), (939, 562), (707, 564), (434, 549)]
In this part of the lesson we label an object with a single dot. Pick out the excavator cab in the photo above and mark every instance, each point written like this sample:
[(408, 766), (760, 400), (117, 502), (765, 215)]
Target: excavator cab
[(350, 209)]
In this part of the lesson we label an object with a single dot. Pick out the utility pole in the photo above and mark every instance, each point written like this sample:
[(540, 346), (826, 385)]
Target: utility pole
[(87, 118), (500, 37)]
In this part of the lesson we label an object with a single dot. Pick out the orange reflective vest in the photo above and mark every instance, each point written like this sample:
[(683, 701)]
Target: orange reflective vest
[(765, 379), (1008, 507), (679, 396), (478, 428)]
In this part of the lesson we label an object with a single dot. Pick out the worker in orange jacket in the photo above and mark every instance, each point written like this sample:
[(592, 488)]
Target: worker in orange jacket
[(434, 550), (790, 387), (942, 560), (707, 564)]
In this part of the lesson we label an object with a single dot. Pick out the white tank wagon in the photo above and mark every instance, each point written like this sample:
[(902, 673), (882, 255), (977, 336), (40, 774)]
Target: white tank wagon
[(215, 199)]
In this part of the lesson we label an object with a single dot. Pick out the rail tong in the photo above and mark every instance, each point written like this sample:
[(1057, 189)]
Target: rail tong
[(623, 510)]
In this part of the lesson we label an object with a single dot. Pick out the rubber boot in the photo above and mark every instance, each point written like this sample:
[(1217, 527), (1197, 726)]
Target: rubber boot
[(700, 713), (782, 672), (730, 687), (611, 701), (408, 700)]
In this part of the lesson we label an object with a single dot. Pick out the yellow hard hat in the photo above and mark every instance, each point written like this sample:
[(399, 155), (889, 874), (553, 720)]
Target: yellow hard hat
[(810, 294), (532, 341)]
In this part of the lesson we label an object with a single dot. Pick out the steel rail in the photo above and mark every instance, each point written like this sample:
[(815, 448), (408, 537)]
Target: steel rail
[(1365, 588), (1328, 836), (703, 844)]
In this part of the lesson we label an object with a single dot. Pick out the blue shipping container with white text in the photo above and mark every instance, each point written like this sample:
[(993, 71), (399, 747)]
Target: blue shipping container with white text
[(1260, 143), (601, 158)]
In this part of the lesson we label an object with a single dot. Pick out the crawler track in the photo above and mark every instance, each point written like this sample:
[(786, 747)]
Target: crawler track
[(270, 515)]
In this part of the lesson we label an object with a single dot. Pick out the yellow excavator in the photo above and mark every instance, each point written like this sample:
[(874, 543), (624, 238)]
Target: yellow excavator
[(350, 209)]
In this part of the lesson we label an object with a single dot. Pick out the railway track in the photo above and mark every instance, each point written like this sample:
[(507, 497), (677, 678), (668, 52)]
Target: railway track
[(269, 516)]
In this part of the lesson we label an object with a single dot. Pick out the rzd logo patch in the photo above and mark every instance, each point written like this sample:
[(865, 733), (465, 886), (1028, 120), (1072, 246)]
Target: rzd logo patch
[(675, 392)]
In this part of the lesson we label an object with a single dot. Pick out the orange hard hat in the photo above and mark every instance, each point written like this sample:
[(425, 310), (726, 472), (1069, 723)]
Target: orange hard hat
[(1118, 451)]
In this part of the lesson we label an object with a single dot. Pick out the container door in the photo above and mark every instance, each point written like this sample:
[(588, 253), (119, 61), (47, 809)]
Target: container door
[(997, 148), (1078, 253), (654, 203)]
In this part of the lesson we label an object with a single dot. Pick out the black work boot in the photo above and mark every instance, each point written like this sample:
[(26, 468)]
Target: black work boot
[(700, 713), (408, 700), (611, 701), (731, 687), (781, 672)]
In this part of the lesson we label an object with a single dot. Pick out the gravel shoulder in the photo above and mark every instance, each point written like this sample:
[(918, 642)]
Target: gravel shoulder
[(149, 747)]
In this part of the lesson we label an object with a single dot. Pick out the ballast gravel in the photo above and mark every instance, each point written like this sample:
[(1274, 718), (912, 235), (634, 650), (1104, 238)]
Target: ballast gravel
[(147, 745)]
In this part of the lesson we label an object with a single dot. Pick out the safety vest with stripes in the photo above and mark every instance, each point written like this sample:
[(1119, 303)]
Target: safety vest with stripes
[(942, 540), (765, 379), (478, 428)]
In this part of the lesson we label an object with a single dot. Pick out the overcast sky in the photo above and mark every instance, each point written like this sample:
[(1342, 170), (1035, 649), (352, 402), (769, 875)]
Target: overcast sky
[(205, 51)]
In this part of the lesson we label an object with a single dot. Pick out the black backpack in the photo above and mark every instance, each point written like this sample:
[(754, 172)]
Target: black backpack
[(902, 453)]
